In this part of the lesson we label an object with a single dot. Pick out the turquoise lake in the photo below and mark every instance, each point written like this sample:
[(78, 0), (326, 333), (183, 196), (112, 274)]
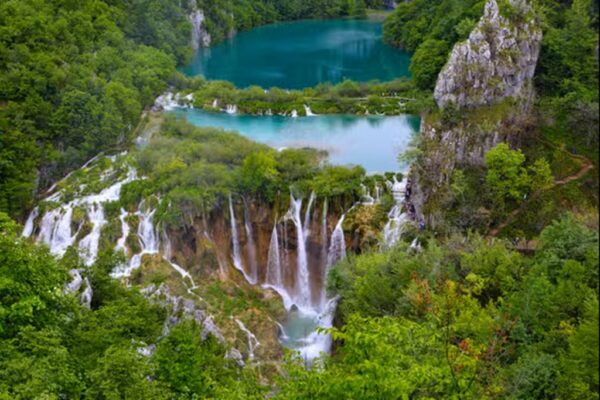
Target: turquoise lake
[(373, 142), (303, 54)]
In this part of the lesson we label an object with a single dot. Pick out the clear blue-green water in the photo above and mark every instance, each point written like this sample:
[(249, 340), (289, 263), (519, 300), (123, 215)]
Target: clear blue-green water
[(373, 142), (303, 54)]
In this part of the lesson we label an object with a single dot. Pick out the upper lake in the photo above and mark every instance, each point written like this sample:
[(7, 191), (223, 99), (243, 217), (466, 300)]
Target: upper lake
[(303, 54)]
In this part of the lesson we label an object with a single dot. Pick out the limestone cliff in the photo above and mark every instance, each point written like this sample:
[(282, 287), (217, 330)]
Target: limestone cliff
[(200, 36), (496, 62), (484, 93)]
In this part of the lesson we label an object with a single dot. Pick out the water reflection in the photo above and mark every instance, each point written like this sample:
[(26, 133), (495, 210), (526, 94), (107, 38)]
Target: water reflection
[(302, 54)]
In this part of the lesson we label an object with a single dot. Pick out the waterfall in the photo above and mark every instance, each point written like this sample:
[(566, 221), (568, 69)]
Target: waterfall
[(251, 245), (397, 219), (308, 111), (253, 342), (122, 242), (147, 238), (76, 282), (147, 233), (215, 103), (55, 230), (336, 253), (274, 275), (294, 114), (367, 199), (235, 241), (377, 194), (55, 226), (168, 255), (337, 247), (307, 216), (88, 246), (28, 229), (231, 109), (86, 297), (73, 287), (324, 230), (303, 279)]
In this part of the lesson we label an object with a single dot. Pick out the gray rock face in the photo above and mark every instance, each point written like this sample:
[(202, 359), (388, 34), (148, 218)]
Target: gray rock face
[(200, 36), (497, 61)]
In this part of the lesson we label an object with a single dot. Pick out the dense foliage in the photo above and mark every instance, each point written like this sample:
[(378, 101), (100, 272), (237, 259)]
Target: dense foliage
[(74, 78), (467, 318), (224, 17), (346, 97), (51, 347), (463, 318)]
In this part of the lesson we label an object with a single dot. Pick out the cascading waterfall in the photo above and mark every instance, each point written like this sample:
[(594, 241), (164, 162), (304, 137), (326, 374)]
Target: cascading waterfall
[(73, 287), (274, 275), (253, 342), (235, 242), (337, 246), (88, 246), (251, 246), (303, 296), (86, 297), (307, 216), (168, 255), (231, 109), (28, 228), (121, 242), (294, 114), (147, 239), (55, 230), (308, 111), (397, 218), (55, 226)]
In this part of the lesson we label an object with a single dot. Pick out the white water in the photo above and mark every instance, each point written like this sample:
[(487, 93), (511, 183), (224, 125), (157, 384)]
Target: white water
[(294, 114), (86, 296), (235, 242), (397, 218), (121, 243), (88, 246), (308, 111), (28, 229), (251, 246), (231, 109), (168, 255), (307, 216), (337, 246), (303, 292), (55, 226), (253, 342), (55, 230), (147, 238), (73, 287), (274, 261)]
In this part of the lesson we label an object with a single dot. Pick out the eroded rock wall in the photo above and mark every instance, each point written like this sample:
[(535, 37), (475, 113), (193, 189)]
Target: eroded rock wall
[(484, 93), (496, 62)]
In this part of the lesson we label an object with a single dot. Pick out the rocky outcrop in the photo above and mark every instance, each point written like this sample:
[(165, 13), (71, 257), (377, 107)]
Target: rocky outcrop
[(485, 92), (496, 62), (200, 36)]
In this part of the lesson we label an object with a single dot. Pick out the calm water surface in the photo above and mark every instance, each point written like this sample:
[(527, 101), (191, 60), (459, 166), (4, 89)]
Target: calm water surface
[(372, 142), (303, 54)]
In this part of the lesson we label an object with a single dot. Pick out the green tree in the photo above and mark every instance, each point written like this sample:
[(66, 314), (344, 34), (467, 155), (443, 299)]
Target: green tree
[(506, 177), (428, 61)]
